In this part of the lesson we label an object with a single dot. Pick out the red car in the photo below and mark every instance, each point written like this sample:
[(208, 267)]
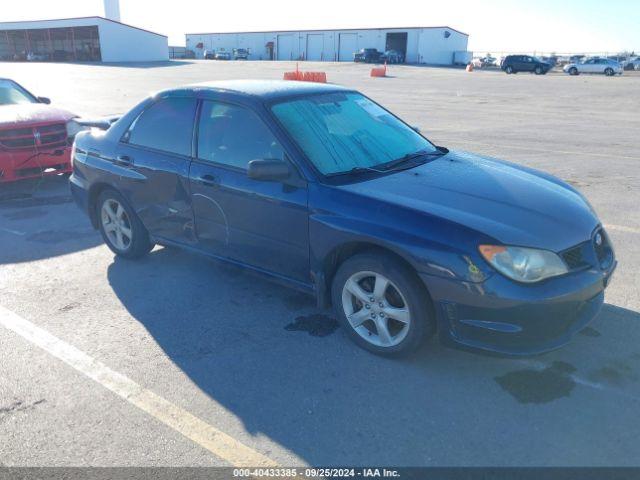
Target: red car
[(35, 138)]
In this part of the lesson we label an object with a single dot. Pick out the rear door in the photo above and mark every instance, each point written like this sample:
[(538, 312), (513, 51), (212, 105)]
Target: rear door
[(155, 154), (601, 65), (259, 223), (528, 64), (518, 63)]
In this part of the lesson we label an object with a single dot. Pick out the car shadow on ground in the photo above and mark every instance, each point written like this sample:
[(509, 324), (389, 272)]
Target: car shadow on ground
[(269, 357), (38, 220)]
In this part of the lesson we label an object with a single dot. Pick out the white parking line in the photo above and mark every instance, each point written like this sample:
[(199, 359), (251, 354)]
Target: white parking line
[(217, 442), (622, 228)]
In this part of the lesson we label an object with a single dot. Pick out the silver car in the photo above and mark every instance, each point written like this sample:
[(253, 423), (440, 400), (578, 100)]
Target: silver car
[(605, 66)]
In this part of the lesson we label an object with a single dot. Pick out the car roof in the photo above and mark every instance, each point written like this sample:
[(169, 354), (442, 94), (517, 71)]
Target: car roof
[(264, 89)]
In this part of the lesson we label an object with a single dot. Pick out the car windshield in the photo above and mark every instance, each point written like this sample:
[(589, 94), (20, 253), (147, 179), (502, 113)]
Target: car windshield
[(340, 132), (11, 93)]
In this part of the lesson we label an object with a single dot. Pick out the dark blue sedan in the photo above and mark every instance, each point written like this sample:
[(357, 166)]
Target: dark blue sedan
[(324, 190)]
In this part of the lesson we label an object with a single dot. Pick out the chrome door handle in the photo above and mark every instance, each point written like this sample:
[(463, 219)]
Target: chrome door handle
[(124, 160)]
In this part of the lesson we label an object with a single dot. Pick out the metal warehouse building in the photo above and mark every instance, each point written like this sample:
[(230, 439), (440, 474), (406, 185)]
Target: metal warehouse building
[(433, 45), (86, 39)]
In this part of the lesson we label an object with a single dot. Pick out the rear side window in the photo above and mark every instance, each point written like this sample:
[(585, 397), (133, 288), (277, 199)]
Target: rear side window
[(167, 125)]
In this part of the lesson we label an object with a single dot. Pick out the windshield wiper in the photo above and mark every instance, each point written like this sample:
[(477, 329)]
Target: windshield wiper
[(355, 170), (390, 166), (412, 156)]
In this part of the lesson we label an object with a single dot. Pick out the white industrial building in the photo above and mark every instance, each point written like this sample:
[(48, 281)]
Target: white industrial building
[(88, 39), (431, 45)]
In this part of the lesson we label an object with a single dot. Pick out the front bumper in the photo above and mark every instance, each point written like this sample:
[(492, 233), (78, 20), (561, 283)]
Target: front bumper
[(501, 316), (23, 164)]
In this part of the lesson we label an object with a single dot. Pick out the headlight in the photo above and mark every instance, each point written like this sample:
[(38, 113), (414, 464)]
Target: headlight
[(527, 265), (73, 128)]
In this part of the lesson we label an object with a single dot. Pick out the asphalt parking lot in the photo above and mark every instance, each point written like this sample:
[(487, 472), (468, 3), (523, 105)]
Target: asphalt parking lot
[(179, 361)]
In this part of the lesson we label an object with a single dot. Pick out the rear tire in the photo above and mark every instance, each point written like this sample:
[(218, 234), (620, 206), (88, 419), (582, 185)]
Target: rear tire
[(121, 229), (381, 304), (509, 69)]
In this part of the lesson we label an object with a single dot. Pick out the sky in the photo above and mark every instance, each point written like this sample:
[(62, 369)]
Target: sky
[(493, 25)]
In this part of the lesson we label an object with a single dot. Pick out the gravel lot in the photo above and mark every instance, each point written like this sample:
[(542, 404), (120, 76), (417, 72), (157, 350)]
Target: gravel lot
[(224, 346)]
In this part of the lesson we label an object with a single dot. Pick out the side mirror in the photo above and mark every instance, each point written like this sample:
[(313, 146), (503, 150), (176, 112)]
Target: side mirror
[(416, 129), (268, 169), (44, 100)]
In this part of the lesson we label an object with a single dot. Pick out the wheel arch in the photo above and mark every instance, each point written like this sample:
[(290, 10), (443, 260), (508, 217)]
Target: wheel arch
[(94, 192), (344, 251)]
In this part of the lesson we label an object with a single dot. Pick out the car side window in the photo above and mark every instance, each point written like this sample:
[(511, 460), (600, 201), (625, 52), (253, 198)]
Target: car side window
[(234, 135), (166, 125)]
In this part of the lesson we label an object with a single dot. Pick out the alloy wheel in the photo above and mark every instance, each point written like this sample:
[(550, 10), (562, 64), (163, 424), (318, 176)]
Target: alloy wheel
[(376, 309), (116, 224)]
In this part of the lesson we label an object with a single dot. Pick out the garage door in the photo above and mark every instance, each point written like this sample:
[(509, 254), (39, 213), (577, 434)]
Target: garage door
[(314, 47), (348, 46), (285, 47)]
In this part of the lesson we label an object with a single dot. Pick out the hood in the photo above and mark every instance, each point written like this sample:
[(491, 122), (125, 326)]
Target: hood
[(515, 205), (31, 113)]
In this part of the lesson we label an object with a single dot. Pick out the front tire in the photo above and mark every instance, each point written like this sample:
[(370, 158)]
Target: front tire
[(381, 304), (538, 71), (573, 71), (121, 229), (609, 72)]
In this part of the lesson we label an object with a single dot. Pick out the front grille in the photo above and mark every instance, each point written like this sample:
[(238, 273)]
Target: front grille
[(47, 136), (574, 258)]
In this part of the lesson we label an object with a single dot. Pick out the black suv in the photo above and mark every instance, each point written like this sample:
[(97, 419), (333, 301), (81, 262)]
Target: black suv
[(368, 55), (524, 63)]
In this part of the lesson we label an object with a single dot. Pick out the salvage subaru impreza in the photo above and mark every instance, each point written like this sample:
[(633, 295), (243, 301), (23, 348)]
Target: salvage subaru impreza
[(324, 190)]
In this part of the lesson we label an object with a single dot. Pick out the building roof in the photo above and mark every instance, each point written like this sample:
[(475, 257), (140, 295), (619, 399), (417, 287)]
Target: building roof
[(331, 30), (267, 89), (81, 18)]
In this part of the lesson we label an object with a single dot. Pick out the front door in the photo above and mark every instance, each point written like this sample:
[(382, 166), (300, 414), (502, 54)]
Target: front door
[(258, 223)]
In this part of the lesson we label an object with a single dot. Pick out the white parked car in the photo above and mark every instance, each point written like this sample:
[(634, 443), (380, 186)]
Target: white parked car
[(594, 65)]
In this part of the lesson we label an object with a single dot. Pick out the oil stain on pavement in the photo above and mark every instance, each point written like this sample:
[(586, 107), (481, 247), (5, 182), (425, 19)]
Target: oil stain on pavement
[(616, 373), (316, 325), (539, 386)]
